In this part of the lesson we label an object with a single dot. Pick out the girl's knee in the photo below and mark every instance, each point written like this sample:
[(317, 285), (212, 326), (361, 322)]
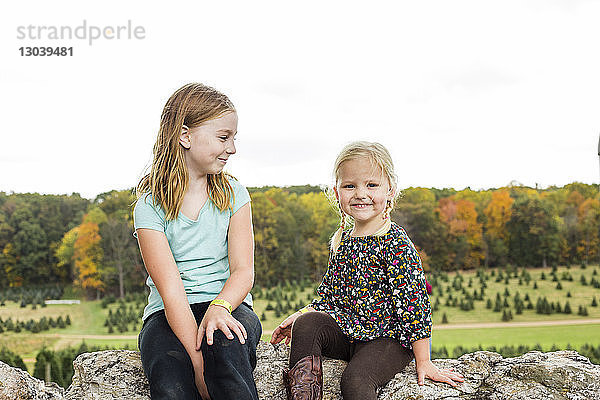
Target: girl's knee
[(227, 351), (248, 318), (356, 385), (311, 320)]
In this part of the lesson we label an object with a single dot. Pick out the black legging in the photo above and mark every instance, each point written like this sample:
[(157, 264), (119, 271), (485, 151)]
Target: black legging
[(228, 364), (371, 364)]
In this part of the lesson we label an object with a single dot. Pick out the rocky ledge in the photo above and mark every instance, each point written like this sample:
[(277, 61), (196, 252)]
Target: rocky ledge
[(117, 374)]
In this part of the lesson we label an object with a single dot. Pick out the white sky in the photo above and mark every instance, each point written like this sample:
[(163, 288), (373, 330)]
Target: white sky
[(463, 93)]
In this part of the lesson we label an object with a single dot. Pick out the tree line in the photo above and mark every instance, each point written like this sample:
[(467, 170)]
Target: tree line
[(66, 239)]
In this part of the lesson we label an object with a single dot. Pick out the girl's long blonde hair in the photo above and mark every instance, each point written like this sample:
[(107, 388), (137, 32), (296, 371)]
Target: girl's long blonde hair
[(381, 159), (167, 181)]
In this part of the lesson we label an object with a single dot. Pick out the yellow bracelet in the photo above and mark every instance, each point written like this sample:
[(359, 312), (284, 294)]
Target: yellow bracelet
[(222, 303), (304, 310)]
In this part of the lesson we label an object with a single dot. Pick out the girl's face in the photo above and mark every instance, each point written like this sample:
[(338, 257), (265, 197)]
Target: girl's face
[(363, 192), (209, 145)]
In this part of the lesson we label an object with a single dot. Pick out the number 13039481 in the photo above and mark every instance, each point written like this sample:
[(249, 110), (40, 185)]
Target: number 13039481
[(45, 51)]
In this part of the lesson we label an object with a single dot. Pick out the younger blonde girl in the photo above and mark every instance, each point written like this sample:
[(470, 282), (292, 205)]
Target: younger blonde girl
[(374, 310)]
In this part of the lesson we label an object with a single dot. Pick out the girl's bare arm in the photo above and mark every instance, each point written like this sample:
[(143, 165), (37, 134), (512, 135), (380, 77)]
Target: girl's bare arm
[(240, 241), (161, 267)]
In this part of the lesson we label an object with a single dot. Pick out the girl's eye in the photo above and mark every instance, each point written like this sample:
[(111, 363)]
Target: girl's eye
[(372, 184), (223, 138), (348, 186)]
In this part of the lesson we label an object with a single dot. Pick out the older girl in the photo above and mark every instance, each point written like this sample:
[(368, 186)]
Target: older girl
[(193, 225)]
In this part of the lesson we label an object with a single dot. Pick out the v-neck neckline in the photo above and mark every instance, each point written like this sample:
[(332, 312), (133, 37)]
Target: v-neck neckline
[(200, 212)]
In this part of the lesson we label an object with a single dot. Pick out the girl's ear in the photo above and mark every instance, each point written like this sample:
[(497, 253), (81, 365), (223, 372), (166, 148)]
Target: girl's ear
[(184, 137)]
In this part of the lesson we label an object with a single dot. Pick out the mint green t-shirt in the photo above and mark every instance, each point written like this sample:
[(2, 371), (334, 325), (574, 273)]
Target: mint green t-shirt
[(199, 246)]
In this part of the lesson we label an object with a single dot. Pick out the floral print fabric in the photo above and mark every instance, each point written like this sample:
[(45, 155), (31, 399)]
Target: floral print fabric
[(375, 287)]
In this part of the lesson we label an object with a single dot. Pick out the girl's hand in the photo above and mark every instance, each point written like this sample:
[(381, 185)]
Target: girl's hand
[(218, 318), (284, 330), (426, 369)]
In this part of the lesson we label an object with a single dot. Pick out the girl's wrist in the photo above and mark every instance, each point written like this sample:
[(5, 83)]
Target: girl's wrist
[(421, 361), (222, 303)]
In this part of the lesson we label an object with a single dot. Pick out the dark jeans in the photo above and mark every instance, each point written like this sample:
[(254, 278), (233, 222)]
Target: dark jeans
[(371, 364), (228, 364)]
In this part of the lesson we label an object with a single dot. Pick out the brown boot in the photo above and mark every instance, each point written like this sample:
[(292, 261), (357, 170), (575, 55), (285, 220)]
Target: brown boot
[(305, 380)]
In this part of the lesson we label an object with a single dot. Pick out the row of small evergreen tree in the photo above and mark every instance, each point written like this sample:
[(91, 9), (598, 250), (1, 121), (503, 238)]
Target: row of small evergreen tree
[(123, 317), (132, 297), (31, 295), (285, 298), (543, 306), (437, 279), (43, 324)]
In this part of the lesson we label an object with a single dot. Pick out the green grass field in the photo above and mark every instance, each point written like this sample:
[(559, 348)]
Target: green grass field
[(88, 317), (580, 295)]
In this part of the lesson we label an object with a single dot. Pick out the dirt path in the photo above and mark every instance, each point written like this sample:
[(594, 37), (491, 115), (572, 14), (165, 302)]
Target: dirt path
[(517, 324)]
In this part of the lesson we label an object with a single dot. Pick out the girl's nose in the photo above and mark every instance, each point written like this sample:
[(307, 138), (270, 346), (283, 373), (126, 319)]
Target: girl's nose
[(231, 147)]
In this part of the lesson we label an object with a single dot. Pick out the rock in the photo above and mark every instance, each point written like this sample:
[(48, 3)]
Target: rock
[(117, 374), (109, 374), (16, 384)]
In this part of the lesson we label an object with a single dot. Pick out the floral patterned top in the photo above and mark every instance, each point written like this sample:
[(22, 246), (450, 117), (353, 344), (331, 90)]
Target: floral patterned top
[(375, 287)]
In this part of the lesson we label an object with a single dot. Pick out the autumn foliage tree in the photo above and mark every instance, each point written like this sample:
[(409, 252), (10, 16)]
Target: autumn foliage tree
[(465, 232), (87, 254), (497, 214)]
